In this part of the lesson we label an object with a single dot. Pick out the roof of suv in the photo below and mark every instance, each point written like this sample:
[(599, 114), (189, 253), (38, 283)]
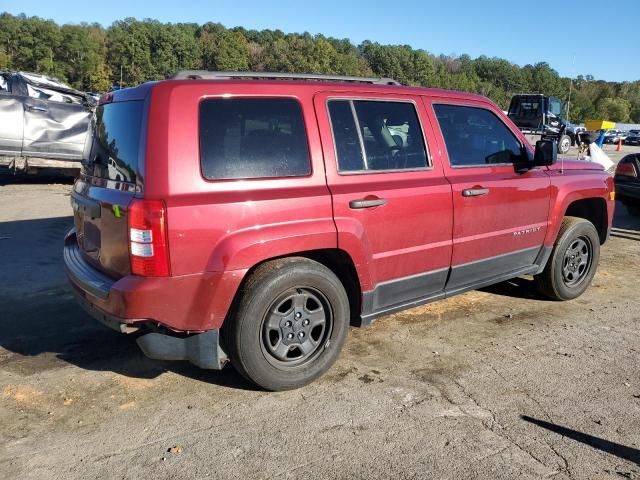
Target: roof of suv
[(141, 91)]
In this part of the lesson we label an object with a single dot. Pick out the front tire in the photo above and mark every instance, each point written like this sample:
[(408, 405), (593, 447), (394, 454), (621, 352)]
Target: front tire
[(564, 144), (573, 262), (290, 324)]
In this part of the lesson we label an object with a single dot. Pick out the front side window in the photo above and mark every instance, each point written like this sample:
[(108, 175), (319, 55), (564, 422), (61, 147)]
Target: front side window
[(252, 138), (476, 136), (373, 135), (555, 106)]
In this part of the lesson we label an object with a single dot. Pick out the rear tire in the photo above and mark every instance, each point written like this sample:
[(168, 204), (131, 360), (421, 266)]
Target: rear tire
[(573, 262), (290, 324)]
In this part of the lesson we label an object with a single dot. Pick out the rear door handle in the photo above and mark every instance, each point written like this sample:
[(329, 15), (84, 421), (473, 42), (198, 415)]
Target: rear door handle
[(474, 192), (367, 203), (33, 108)]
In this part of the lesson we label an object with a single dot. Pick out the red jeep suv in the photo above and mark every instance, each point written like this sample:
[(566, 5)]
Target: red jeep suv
[(253, 217)]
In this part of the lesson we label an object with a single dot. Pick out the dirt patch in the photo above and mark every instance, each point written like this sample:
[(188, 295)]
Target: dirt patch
[(434, 392), (23, 395), (135, 384), (452, 307)]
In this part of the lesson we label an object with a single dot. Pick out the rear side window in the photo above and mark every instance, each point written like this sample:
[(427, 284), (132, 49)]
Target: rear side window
[(374, 135), (253, 138), (476, 136), (116, 141)]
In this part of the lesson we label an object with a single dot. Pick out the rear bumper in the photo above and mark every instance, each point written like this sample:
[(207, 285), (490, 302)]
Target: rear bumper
[(82, 275), (186, 303), (201, 349), (190, 308)]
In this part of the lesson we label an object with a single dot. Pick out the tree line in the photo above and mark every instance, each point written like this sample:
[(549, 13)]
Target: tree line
[(93, 58)]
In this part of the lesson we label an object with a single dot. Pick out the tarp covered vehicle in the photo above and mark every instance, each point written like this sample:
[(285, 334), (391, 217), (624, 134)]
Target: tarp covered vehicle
[(43, 123)]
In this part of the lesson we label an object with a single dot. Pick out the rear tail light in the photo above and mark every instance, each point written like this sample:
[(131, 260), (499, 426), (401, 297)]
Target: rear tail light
[(626, 170), (148, 246), (105, 98)]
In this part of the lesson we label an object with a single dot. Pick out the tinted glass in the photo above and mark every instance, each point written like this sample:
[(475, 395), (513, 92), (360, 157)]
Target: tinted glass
[(390, 133), (475, 136), (252, 138), (116, 140)]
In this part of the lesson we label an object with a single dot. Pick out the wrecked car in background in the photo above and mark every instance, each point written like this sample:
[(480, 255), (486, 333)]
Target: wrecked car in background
[(44, 124)]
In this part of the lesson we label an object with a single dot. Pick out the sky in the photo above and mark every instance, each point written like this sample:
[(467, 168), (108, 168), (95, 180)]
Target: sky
[(575, 37)]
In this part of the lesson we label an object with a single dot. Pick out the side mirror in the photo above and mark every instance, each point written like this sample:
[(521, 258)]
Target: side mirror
[(546, 153)]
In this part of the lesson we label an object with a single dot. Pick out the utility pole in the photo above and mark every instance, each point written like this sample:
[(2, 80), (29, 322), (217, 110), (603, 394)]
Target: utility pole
[(120, 76), (573, 65), (569, 101)]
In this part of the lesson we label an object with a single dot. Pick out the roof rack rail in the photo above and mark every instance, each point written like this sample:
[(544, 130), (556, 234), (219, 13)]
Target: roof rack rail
[(207, 75)]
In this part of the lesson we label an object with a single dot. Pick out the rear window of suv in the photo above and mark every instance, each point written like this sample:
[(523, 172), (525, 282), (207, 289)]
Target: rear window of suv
[(252, 138), (116, 141)]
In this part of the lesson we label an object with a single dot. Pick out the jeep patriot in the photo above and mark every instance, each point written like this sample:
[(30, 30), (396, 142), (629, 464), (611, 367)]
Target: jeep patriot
[(252, 217)]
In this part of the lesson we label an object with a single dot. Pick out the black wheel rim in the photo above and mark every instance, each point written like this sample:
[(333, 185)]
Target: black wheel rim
[(296, 327), (577, 261)]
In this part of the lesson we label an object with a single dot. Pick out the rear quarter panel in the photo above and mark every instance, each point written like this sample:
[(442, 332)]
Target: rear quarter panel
[(230, 224)]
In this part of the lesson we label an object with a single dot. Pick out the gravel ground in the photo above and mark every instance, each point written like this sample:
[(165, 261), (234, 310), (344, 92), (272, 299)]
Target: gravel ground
[(492, 384)]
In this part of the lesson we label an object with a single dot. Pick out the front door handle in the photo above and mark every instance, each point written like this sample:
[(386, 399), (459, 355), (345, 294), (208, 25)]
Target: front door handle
[(33, 108), (367, 202), (474, 192)]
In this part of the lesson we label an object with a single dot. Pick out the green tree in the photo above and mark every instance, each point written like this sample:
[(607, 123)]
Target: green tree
[(173, 47), (541, 78), (91, 57), (408, 66), (81, 50), (223, 49), (614, 109), (129, 49), (100, 79), (500, 73)]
